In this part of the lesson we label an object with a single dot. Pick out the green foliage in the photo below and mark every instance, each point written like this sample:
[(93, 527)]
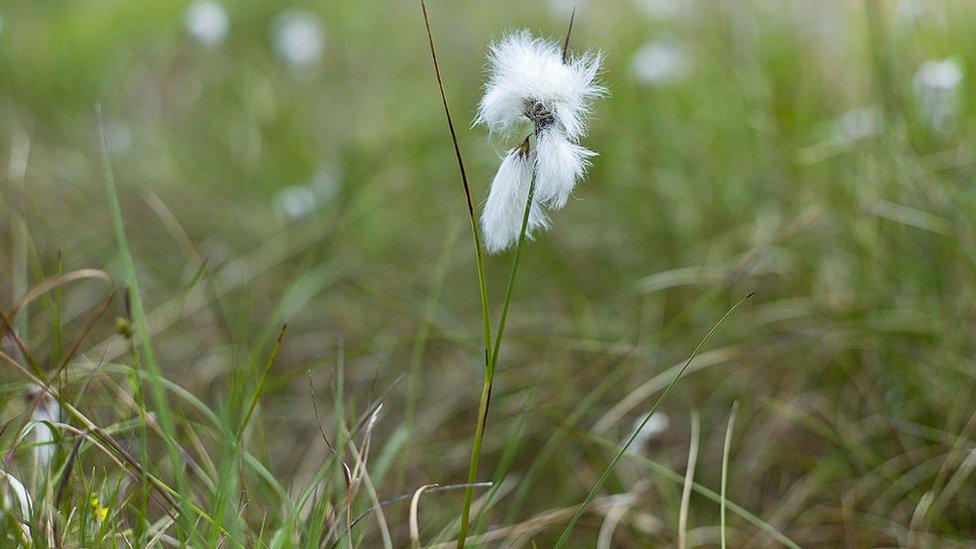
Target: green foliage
[(794, 159)]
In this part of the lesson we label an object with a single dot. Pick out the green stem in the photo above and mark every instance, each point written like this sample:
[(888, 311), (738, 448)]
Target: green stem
[(511, 275), (480, 262), (564, 537), (479, 254), (490, 372)]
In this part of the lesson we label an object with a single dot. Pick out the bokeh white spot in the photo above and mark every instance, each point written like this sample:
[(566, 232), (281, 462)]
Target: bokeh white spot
[(207, 22), (857, 124), (298, 38), (296, 202), (564, 8), (656, 425), (660, 63), (664, 9), (936, 87)]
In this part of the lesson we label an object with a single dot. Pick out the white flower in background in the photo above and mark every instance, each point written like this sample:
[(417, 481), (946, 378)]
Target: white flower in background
[(296, 202), (46, 408), (298, 38), (656, 425), (944, 75), (299, 201), (531, 86), (206, 22), (937, 88), (15, 495), (910, 11), (564, 8), (8, 345), (857, 124), (836, 135), (663, 9), (119, 137), (326, 182), (660, 63)]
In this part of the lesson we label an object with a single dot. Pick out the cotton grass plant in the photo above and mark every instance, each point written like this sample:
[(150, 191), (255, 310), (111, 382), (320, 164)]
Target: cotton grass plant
[(531, 81), (534, 82)]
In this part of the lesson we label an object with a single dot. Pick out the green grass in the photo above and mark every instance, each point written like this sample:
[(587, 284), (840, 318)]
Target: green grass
[(161, 293)]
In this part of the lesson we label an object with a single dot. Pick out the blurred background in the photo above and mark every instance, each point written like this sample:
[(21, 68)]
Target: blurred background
[(290, 162)]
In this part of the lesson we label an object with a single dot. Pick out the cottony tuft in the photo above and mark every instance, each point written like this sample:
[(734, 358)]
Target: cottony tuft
[(531, 83), (501, 220)]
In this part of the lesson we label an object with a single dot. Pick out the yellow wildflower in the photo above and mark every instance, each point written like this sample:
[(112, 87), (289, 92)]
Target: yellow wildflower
[(100, 512)]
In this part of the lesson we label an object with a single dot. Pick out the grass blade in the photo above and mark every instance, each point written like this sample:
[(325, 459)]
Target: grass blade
[(725, 467), (414, 523), (259, 390), (689, 480)]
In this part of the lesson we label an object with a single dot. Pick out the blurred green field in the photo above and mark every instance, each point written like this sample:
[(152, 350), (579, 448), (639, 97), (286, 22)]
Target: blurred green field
[(819, 154)]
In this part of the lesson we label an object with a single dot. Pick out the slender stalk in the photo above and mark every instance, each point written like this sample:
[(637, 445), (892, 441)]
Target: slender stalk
[(476, 237), (515, 264), (725, 468), (493, 356), (564, 537), (482, 284), (490, 373), (569, 32)]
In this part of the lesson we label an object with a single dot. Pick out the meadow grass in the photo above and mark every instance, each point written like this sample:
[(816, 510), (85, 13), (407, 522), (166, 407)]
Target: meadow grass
[(147, 277)]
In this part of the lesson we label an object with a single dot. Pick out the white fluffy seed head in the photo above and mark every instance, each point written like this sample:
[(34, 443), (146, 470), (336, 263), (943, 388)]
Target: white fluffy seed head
[(560, 164), (524, 71), (937, 89), (501, 219), (373, 418), (656, 426), (13, 491), (46, 410), (946, 74)]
